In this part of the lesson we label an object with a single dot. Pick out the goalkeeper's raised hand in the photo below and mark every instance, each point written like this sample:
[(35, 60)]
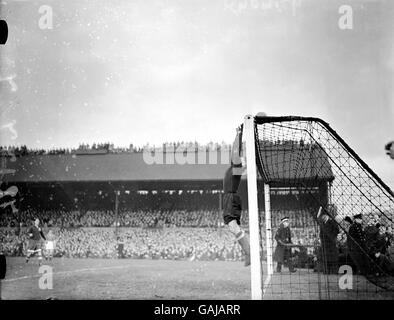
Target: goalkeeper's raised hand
[(236, 150)]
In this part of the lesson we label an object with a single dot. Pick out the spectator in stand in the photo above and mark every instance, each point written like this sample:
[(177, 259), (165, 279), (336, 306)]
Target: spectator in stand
[(357, 245), (329, 231), (378, 244)]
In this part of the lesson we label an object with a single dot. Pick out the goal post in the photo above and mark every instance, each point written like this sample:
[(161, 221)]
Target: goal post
[(258, 284), (254, 225), (268, 233), (310, 177)]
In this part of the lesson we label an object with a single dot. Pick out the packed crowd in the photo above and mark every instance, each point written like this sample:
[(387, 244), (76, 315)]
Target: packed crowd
[(12, 242), (197, 243), (111, 148), (172, 243), (155, 234), (140, 243), (139, 218), (23, 150)]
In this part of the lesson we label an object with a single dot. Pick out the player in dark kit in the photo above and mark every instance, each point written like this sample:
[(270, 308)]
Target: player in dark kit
[(35, 241), (232, 204)]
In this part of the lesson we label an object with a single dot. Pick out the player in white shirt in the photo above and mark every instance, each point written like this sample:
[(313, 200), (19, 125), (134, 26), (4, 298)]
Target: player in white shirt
[(50, 245)]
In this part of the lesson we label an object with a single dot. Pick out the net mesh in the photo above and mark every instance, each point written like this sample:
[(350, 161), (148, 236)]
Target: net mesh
[(317, 181)]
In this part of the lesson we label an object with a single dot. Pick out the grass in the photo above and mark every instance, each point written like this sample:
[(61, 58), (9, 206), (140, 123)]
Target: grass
[(82, 279)]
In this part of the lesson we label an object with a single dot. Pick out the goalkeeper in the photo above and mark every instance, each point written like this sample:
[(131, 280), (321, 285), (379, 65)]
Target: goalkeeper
[(232, 204)]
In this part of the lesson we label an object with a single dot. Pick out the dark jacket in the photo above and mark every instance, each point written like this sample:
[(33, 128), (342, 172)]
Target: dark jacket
[(378, 244), (282, 237), (356, 238), (329, 232)]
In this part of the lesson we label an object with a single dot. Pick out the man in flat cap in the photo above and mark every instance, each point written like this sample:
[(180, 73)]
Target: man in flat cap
[(329, 231), (348, 220), (357, 246), (283, 249)]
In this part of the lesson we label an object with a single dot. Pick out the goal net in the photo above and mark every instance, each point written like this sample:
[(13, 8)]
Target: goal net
[(340, 214)]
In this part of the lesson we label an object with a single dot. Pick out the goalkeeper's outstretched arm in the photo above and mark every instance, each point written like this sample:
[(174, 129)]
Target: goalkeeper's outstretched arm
[(236, 150), (233, 174)]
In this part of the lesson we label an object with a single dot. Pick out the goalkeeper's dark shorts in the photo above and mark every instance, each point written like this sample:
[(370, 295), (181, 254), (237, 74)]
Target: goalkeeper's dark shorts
[(232, 207)]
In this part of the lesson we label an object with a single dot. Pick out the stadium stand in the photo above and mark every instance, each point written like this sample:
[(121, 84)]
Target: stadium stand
[(164, 213)]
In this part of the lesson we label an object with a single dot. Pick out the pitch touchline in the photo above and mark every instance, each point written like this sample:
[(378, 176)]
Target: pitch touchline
[(65, 272)]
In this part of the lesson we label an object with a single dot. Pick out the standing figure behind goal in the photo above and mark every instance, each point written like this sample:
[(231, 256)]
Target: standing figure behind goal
[(232, 204), (284, 244), (35, 241)]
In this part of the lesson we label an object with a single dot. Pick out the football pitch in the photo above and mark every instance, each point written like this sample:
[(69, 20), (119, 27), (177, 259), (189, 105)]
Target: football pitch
[(87, 279)]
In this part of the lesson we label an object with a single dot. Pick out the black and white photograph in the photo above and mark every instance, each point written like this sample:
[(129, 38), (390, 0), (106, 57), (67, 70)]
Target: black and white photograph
[(196, 150)]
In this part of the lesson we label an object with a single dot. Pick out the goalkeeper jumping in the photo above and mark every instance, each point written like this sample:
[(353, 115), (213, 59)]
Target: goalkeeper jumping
[(232, 204)]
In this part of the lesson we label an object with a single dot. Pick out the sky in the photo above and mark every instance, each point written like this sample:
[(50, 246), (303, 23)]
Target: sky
[(150, 71)]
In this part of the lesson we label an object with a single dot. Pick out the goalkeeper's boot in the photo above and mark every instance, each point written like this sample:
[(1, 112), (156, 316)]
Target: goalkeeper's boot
[(244, 243), (279, 267)]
